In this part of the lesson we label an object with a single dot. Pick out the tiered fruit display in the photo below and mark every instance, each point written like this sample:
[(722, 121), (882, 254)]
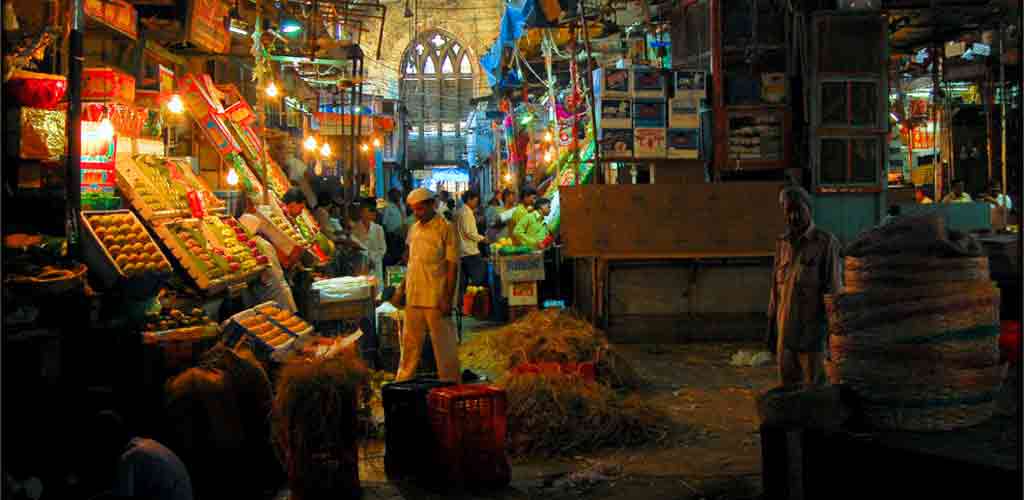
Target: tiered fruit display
[(238, 244), (199, 259), (169, 319), (128, 243), (266, 331), (175, 192), (279, 221), (149, 196)]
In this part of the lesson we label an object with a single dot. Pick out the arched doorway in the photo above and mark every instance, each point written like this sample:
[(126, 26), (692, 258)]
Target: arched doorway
[(436, 85)]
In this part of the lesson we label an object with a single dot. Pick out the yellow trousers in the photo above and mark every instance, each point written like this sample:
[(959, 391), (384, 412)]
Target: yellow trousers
[(442, 336)]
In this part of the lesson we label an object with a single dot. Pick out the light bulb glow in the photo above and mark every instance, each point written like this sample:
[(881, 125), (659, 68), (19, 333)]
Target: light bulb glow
[(508, 177), (547, 136), (271, 89), (106, 129), (175, 105), (232, 177), (376, 142), (310, 144), (547, 156), (325, 150), (364, 148)]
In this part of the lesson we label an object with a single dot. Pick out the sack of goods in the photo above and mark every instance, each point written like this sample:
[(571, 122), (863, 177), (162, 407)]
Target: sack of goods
[(915, 330)]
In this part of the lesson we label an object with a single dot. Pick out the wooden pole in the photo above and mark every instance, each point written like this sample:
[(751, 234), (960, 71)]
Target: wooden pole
[(717, 82), (1002, 106), (73, 168), (589, 82)]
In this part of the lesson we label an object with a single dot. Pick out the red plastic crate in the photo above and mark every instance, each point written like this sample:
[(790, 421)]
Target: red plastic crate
[(470, 423), (1010, 342)]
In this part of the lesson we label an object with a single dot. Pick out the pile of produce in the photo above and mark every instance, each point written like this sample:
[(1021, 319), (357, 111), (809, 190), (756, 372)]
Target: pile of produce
[(169, 319), (549, 415), (549, 335), (238, 243), (552, 413)]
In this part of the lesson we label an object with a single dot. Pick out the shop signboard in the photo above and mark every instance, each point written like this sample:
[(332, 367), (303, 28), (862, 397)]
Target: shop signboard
[(166, 81), (206, 26), (115, 14)]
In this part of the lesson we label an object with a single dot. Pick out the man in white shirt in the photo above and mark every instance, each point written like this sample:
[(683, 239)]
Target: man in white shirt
[(299, 174), (997, 198), (428, 290), (473, 269)]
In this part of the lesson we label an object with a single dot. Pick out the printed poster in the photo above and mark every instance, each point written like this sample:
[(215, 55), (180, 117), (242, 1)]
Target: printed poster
[(617, 143), (690, 81), (616, 113), (684, 143), (616, 82), (649, 113), (648, 83), (650, 143)]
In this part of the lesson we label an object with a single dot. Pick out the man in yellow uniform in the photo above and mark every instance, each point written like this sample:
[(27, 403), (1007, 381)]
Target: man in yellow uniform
[(531, 230), (807, 267), (428, 290)]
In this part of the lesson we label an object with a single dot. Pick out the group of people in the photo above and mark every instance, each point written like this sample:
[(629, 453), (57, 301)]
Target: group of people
[(994, 196)]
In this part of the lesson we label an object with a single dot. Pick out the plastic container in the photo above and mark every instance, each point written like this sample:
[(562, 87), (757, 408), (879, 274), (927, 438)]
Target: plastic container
[(469, 422), (409, 438)]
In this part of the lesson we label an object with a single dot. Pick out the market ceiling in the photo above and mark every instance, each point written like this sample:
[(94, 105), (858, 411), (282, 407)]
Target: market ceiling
[(916, 24)]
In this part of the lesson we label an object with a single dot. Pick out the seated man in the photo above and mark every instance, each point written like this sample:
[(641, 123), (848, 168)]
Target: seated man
[(957, 195), (532, 230)]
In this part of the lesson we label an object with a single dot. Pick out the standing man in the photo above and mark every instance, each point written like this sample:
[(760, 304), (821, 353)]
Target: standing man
[(473, 268), (299, 173), (807, 267), (428, 290)]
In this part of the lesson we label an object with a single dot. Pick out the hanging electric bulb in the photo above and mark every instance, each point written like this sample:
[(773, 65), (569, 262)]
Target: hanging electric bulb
[(325, 150), (547, 136), (364, 148), (232, 177), (106, 130), (376, 142), (271, 89), (547, 156), (508, 177), (175, 105), (310, 144)]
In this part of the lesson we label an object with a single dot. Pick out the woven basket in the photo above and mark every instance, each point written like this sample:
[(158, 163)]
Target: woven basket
[(974, 348), (921, 318), (905, 271)]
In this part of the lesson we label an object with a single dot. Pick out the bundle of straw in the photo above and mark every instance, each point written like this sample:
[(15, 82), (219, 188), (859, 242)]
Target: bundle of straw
[(557, 414), (549, 335), (315, 426)]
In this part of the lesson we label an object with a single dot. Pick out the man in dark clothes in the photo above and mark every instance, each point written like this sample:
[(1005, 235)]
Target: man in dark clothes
[(143, 468)]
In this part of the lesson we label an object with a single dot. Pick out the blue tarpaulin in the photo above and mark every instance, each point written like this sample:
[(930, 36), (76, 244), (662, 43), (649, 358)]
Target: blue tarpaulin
[(513, 25)]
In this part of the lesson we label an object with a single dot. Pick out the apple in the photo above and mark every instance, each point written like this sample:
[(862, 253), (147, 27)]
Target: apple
[(262, 259), (234, 267)]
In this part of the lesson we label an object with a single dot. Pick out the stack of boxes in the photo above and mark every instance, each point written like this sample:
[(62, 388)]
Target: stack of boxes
[(648, 113)]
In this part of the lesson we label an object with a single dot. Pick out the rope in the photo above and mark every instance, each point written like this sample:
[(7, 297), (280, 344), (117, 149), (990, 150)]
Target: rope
[(976, 333)]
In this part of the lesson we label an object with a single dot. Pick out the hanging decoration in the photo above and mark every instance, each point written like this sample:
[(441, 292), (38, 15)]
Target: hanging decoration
[(261, 70), (28, 52)]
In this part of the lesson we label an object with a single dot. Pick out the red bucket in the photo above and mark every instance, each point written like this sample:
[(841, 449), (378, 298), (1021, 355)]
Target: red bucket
[(1009, 342)]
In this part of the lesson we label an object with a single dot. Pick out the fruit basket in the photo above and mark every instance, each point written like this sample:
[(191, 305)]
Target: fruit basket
[(119, 250)]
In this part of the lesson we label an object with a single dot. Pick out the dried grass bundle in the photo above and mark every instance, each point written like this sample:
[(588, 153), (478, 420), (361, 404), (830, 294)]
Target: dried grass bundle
[(315, 426), (557, 415), (548, 335)]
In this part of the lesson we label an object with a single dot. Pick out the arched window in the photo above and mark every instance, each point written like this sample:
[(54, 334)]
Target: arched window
[(437, 86)]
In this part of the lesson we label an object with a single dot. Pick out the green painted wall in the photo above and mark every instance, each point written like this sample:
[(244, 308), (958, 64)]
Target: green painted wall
[(847, 215)]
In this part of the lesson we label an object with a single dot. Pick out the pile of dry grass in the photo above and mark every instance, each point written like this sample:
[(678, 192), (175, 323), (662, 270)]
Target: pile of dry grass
[(315, 425), (560, 415), (549, 335)]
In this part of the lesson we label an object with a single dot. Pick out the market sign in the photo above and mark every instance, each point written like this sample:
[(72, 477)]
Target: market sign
[(116, 14), (421, 174), (206, 27)]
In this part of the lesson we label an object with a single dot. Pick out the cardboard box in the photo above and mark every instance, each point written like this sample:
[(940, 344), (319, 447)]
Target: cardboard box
[(650, 113), (650, 143), (107, 84), (683, 143), (521, 293), (649, 82), (615, 113), (616, 143), (529, 267)]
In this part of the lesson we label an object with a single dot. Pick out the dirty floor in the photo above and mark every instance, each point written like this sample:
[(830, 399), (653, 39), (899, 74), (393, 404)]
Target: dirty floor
[(712, 452)]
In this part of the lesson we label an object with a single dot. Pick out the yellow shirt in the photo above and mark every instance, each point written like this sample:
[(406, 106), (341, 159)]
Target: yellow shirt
[(951, 198), (431, 247)]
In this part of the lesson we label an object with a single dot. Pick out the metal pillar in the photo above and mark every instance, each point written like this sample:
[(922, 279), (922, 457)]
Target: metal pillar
[(73, 164)]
